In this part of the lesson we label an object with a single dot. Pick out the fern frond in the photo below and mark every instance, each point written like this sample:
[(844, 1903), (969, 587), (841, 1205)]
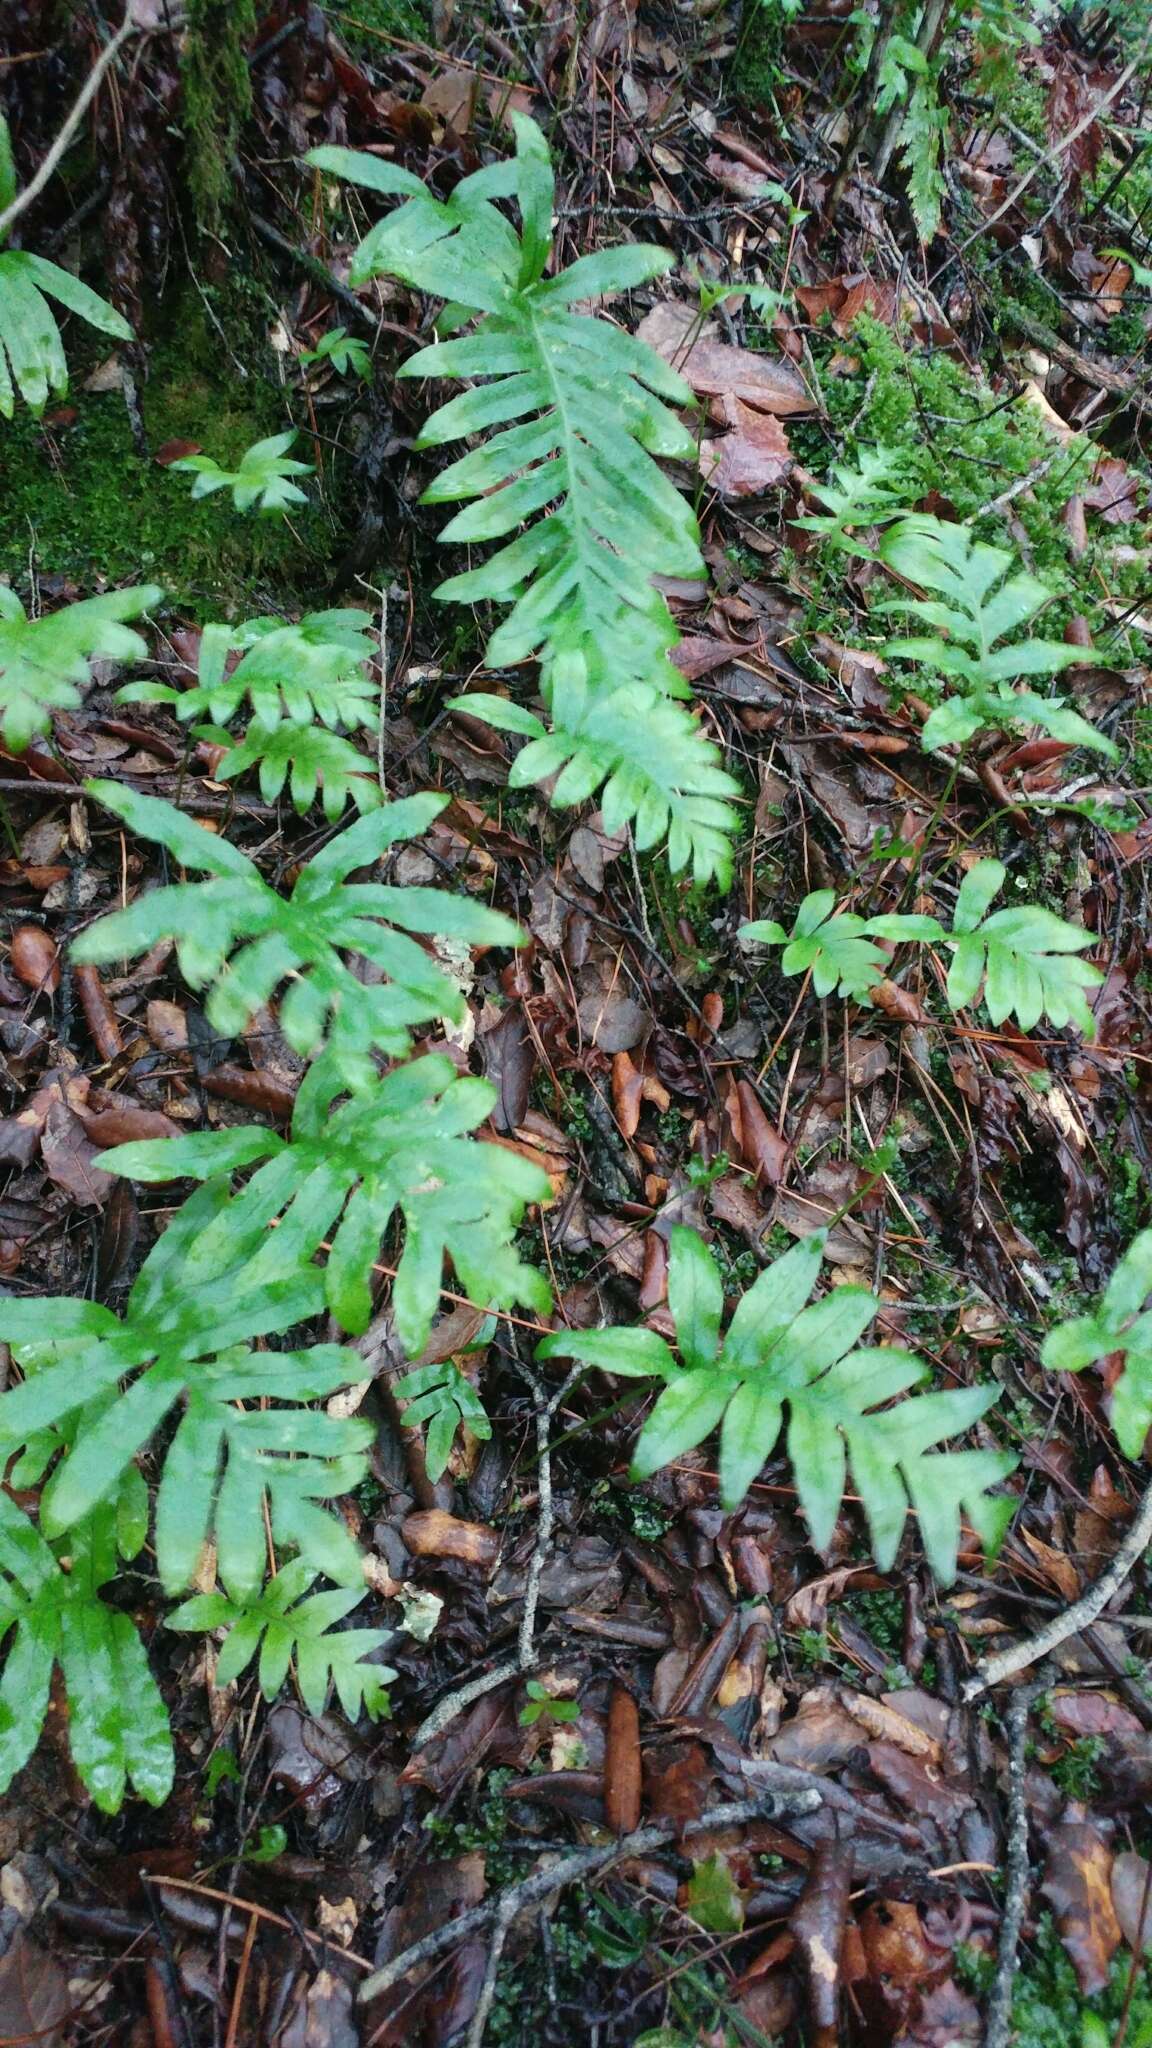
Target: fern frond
[(117, 1724), (238, 937), (32, 359), (402, 1145), (185, 1340), (581, 411), (306, 669), (286, 1627), (779, 1354), (44, 661), (980, 596), (307, 758)]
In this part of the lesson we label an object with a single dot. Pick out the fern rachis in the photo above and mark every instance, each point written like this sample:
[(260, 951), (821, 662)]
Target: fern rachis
[(581, 409)]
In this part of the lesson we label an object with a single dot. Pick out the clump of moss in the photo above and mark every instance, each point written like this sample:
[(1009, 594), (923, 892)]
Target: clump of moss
[(217, 99), (363, 25), (80, 502), (956, 437), (1049, 2010)]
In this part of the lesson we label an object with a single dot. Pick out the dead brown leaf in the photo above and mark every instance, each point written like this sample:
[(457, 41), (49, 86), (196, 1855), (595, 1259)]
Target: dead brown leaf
[(818, 1926), (1078, 1885), (33, 955), (715, 369), (751, 458), (430, 1532)]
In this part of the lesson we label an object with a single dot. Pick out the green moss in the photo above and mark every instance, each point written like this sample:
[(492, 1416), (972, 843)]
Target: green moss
[(217, 97), (81, 503), (755, 74), (363, 24), (956, 436), (1049, 2010)]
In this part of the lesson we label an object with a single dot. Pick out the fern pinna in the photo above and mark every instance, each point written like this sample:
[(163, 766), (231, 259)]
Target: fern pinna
[(582, 409)]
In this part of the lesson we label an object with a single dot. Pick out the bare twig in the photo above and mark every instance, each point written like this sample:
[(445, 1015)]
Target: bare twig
[(998, 2020), (505, 1914), (1062, 143), (1071, 1620), (455, 1702), (583, 1863), (527, 1657), (87, 94)]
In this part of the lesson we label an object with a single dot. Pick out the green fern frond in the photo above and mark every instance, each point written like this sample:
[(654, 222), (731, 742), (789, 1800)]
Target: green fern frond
[(580, 410), (117, 1723), (306, 757), (237, 937), (779, 1354), (44, 662), (403, 1145), (304, 669), (979, 597), (185, 1340), (286, 1627), (260, 478), (32, 359)]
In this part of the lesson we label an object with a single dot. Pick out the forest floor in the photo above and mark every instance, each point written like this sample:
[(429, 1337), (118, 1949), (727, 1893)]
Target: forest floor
[(985, 1179)]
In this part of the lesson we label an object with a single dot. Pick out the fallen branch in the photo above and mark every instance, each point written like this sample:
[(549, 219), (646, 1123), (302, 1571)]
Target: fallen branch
[(1072, 1620), (84, 99), (583, 1863), (1090, 369), (998, 2021)]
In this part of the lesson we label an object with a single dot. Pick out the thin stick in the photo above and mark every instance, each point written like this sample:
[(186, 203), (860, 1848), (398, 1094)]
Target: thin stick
[(505, 1914), (1062, 143), (583, 1863), (88, 91), (998, 2021), (527, 1656), (1071, 1620), (455, 1702)]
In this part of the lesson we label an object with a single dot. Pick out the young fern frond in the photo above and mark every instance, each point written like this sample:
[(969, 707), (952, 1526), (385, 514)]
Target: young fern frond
[(287, 1628), (1024, 956), (867, 495), (44, 661), (185, 1340), (293, 674), (402, 1146), (1120, 1324), (778, 1353), (304, 669), (237, 937), (260, 479), (837, 947), (582, 409), (32, 359), (117, 1725), (979, 596), (308, 758), (442, 1399)]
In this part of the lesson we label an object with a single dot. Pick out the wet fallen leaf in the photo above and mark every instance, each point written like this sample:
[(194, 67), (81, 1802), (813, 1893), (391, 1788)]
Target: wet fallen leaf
[(34, 2000), (712, 1897), (715, 369), (430, 1532), (622, 1762), (34, 958), (1078, 1885), (818, 1926), (1132, 1898), (751, 458)]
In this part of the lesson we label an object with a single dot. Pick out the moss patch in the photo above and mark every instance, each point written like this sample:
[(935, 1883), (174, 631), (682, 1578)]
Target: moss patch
[(80, 502)]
